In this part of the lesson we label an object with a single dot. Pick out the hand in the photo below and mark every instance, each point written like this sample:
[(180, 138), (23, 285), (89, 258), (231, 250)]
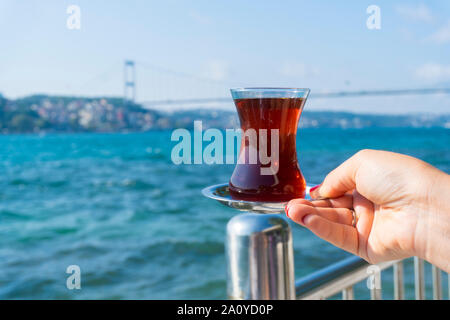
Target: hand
[(401, 206)]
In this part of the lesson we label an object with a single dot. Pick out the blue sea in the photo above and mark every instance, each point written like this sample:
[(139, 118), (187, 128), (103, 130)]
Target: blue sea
[(137, 225)]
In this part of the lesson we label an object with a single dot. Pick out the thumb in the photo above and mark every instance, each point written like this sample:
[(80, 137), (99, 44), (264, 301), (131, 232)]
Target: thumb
[(340, 180)]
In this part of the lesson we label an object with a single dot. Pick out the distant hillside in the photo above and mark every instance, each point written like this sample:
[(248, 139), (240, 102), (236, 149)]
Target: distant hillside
[(315, 119), (43, 113), (344, 120), (39, 113)]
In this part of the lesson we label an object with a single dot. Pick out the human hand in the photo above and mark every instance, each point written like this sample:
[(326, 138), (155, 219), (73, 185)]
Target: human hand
[(401, 205)]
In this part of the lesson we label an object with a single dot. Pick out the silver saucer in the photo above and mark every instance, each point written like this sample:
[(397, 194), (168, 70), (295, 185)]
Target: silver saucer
[(221, 193)]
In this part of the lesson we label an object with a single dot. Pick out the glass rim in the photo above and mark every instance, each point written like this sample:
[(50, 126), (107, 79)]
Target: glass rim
[(289, 89), (269, 92)]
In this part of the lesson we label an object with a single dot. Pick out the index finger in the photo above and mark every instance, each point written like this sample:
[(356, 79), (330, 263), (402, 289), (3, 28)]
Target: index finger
[(340, 180)]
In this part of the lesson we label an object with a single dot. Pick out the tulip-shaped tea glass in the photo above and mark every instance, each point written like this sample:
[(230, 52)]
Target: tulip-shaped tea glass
[(267, 168), (259, 243)]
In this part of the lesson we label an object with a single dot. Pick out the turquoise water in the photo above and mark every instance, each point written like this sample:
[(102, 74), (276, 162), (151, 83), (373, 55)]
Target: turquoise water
[(136, 224)]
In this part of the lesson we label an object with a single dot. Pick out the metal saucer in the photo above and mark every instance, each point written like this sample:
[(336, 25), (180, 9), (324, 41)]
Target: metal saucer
[(220, 192)]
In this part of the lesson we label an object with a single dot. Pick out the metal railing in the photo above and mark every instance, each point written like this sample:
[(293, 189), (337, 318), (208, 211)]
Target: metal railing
[(344, 275), (261, 266)]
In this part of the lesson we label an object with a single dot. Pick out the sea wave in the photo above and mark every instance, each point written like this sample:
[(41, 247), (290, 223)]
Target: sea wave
[(135, 223)]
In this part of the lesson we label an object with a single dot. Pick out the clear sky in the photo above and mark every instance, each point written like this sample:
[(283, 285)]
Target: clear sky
[(323, 45)]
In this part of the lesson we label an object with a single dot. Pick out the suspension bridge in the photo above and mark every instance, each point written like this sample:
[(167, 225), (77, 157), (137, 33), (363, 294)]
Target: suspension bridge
[(171, 87)]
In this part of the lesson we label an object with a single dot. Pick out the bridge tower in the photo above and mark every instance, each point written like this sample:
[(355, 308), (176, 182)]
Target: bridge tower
[(129, 89)]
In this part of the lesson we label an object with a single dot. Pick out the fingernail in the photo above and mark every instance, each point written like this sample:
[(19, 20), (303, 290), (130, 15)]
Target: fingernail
[(314, 188), (304, 219), (313, 192), (286, 210)]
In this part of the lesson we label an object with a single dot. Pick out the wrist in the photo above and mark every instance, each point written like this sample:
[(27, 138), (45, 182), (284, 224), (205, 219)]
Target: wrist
[(435, 231)]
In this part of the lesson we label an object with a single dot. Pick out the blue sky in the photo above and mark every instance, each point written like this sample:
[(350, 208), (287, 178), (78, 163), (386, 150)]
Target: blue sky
[(323, 45)]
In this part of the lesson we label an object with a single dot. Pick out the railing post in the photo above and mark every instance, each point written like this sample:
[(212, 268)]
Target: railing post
[(437, 283), (348, 294), (260, 257), (419, 278), (399, 293), (375, 289)]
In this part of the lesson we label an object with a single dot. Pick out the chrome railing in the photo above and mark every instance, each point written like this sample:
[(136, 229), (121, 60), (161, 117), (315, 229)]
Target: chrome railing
[(341, 278), (261, 266)]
